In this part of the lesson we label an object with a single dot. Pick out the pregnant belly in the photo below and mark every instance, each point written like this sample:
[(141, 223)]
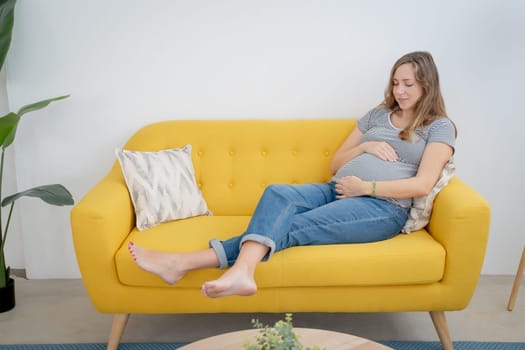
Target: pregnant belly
[(368, 167)]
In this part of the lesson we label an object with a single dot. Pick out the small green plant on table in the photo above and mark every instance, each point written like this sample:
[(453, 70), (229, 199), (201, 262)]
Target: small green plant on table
[(279, 337)]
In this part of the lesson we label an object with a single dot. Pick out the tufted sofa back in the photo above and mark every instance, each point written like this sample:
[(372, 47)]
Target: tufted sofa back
[(235, 160)]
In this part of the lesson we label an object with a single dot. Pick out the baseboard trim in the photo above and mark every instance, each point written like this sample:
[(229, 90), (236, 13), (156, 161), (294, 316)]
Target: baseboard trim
[(19, 273)]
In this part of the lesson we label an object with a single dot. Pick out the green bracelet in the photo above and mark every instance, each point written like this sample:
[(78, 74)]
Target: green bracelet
[(373, 194)]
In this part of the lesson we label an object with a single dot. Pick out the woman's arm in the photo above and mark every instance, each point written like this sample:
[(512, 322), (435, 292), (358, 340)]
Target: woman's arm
[(348, 150), (434, 158), (352, 147)]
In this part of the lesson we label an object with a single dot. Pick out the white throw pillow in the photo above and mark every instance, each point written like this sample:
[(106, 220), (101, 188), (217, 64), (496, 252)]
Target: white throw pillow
[(419, 214), (162, 185)]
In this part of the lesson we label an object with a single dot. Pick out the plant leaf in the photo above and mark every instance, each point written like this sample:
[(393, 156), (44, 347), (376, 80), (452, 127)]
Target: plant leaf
[(52, 194), (7, 19), (8, 125), (39, 105), (9, 122)]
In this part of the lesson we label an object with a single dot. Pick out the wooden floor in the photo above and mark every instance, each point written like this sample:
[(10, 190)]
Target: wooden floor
[(59, 311)]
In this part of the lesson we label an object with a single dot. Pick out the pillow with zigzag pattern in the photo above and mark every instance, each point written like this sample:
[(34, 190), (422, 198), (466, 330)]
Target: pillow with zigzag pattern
[(419, 215), (162, 185)]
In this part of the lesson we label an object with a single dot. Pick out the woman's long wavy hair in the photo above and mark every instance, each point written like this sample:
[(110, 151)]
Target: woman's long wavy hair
[(431, 105)]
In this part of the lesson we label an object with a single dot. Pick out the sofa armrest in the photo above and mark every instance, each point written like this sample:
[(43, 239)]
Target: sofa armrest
[(460, 221), (100, 222)]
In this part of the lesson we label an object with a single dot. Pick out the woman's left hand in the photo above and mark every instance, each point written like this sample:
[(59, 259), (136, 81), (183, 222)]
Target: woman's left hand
[(350, 186)]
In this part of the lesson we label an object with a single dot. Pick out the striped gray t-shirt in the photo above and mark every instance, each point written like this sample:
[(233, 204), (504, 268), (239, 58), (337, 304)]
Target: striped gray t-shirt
[(377, 126)]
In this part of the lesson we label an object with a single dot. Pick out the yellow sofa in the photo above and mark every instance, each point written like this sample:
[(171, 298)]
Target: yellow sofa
[(433, 270)]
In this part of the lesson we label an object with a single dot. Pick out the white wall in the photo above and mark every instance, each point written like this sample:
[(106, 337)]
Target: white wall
[(130, 63)]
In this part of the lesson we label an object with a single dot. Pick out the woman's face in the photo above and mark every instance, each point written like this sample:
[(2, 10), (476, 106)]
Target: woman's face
[(406, 89)]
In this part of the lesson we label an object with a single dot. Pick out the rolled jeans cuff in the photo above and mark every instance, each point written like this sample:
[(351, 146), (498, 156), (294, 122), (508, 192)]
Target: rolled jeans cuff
[(260, 239), (216, 245)]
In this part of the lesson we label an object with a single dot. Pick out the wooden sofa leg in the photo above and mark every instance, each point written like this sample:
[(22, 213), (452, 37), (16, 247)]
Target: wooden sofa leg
[(517, 282), (440, 323), (117, 328)]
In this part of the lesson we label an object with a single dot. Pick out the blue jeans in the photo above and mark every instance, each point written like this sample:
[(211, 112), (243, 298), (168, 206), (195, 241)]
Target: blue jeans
[(310, 214)]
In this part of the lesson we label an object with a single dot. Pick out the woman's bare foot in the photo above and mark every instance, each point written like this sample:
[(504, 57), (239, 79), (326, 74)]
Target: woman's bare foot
[(238, 280), (167, 266)]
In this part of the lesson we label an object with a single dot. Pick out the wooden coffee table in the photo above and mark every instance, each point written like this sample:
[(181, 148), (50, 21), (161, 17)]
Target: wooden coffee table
[(309, 337)]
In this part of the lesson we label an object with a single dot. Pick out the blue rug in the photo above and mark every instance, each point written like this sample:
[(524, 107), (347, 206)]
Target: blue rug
[(93, 346), (397, 345), (458, 345)]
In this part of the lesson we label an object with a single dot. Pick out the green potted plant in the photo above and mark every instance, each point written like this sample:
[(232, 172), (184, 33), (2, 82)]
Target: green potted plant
[(279, 337), (53, 194)]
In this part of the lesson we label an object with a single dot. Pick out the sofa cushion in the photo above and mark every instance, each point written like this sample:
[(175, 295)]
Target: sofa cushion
[(161, 185), (419, 214), (235, 160), (405, 259)]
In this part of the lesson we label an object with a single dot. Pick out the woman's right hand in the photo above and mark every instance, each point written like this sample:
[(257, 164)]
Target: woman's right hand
[(380, 149)]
